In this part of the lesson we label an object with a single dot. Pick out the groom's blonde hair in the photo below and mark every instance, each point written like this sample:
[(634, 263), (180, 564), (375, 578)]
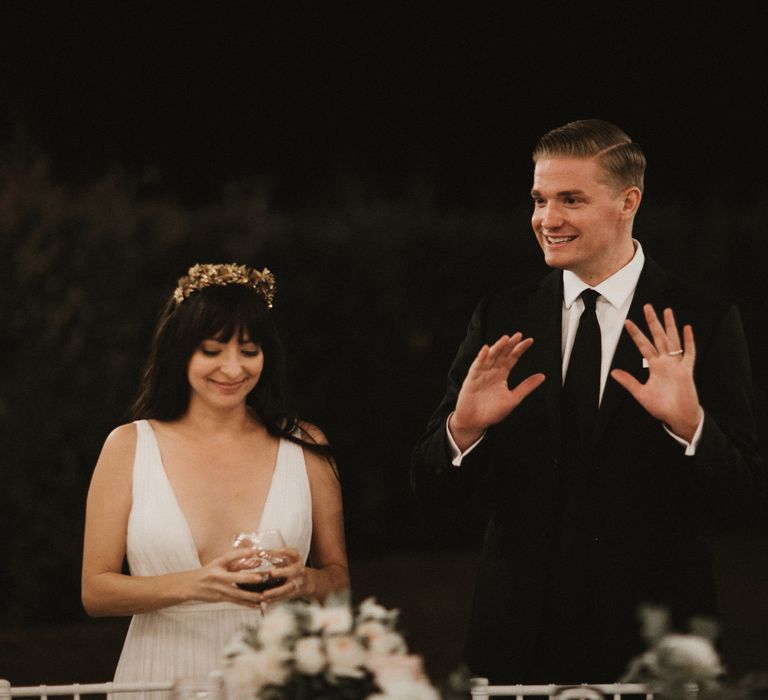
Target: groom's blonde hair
[(620, 158)]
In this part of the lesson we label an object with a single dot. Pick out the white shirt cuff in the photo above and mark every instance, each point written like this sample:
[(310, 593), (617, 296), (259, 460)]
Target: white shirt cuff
[(456, 454), (690, 447)]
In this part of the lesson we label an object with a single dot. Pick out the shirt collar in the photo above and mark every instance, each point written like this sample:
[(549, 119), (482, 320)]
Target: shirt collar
[(615, 290)]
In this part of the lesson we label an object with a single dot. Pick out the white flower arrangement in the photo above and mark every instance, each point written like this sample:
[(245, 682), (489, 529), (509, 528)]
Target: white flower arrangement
[(303, 650), (675, 660)]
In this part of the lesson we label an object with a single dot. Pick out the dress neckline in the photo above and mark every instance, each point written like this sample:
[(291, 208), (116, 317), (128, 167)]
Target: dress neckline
[(182, 514)]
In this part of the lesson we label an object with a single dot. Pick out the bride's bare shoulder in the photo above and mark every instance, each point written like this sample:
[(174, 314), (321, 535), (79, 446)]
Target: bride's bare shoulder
[(311, 433), (109, 495), (121, 436), (119, 449)]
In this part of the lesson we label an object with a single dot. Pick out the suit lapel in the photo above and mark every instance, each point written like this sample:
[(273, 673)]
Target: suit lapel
[(545, 314), (651, 286)]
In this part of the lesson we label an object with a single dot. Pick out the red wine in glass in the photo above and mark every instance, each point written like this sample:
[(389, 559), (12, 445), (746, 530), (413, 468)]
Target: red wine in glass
[(263, 542), (263, 585)]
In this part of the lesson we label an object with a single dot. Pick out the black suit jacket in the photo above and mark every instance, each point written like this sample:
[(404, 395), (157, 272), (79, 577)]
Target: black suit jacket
[(654, 509)]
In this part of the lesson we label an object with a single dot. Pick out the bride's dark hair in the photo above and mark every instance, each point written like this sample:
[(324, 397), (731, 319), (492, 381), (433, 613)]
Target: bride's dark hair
[(217, 312)]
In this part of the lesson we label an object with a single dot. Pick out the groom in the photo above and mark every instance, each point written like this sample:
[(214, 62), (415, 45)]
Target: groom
[(615, 439)]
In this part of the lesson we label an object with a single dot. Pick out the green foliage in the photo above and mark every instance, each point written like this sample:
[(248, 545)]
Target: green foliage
[(302, 687)]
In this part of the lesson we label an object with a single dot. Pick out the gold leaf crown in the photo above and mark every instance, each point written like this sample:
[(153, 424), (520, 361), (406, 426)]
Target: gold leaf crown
[(201, 276)]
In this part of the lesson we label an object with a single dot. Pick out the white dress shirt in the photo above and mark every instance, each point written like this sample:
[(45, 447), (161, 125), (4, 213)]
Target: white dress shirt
[(612, 306)]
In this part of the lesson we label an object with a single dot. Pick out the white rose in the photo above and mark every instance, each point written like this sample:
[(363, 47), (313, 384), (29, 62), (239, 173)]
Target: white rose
[(242, 673), (309, 655), (370, 630), (346, 655), (412, 691), (387, 643), (273, 666), (331, 620), (401, 677), (278, 624), (394, 670), (654, 621), (686, 657), (371, 610)]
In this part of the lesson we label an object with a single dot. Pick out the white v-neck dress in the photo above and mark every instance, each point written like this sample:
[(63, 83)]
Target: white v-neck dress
[(186, 641)]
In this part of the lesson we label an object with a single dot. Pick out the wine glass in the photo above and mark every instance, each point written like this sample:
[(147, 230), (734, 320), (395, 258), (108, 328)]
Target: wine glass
[(264, 542)]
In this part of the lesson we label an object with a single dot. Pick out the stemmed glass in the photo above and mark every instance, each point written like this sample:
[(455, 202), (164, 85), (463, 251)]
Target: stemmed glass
[(264, 542)]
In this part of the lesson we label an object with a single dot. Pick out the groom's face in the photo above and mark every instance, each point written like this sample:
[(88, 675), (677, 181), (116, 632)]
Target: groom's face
[(582, 221)]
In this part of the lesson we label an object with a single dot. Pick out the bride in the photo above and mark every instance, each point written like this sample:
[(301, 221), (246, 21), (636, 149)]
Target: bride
[(214, 451)]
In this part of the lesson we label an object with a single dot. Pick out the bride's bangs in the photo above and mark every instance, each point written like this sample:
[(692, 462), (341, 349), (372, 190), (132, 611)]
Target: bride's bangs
[(224, 311)]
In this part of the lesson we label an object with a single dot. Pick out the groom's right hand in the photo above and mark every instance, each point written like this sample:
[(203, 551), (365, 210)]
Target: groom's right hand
[(484, 398)]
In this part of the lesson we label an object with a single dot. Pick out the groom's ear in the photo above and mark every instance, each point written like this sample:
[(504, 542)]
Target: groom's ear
[(630, 202)]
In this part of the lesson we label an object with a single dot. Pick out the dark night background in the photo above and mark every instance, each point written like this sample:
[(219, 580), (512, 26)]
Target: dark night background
[(376, 156)]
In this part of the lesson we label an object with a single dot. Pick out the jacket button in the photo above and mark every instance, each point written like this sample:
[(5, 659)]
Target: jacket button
[(555, 462)]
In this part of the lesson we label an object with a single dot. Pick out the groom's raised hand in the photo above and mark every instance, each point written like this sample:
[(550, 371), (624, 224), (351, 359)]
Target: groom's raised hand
[(485, 398), (670, 393)]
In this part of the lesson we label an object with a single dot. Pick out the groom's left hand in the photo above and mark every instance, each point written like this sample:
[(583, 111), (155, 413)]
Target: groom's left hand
[(670, 393)]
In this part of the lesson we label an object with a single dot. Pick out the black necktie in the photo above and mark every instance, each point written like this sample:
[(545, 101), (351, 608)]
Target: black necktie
[(571, 591), (581, 391)]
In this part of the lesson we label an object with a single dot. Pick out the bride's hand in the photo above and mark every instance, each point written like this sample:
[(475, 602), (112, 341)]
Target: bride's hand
[(217, 581), (292, 569)]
